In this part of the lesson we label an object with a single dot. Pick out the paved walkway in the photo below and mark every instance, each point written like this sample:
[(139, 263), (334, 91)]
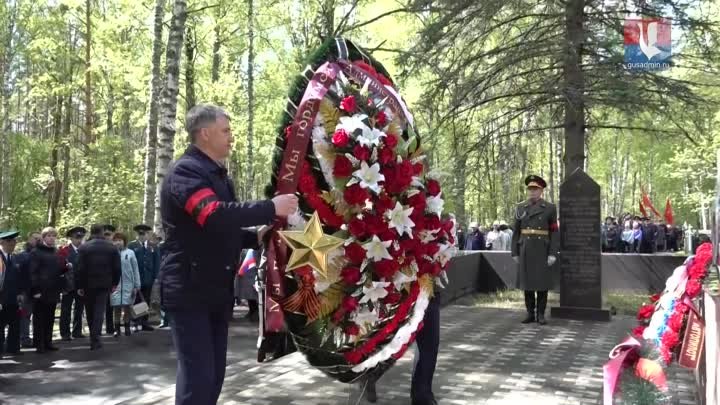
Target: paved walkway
[(487, 358)]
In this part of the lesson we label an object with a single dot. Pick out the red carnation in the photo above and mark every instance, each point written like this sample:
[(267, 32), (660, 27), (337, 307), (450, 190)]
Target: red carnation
[(387, 235), (355, 253), (384, 203), (343, 167), (375, 224), (357, 228), (340, 138), (670, 339), (361, 152), (348, 104), (418, 202), (675, 321), (433, 187), (352, 357), (386, 156), (367, 68), (638, 331), (409, 245), (418, 217), (352, 330), (386, 268), (655, 298), (391, 141), (431, 249), (349, 304), (350, 275), (338, 316), (356, 195), (646, 312), (288, 131), (693, 288), (381, 119), (392, 298), (432, 222), (418, 168), (682, 308)]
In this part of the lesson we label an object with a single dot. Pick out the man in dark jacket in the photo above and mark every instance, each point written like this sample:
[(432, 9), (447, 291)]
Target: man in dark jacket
[(23, 262), (98, 272), (70, 253), (203, 224), (11, 294), (148, 259), (535, 246)]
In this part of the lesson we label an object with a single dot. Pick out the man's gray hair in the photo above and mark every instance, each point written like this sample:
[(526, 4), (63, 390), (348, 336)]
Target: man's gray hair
[(201, 116)]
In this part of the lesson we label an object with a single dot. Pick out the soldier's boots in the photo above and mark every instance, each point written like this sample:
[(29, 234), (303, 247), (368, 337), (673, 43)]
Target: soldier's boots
[(530, 318), (541, 319)]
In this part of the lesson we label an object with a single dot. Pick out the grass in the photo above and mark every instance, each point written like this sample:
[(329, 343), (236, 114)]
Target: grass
[(624, 303)]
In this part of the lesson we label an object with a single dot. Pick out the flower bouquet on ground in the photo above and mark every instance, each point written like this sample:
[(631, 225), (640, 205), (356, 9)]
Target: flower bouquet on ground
[(350, 277)]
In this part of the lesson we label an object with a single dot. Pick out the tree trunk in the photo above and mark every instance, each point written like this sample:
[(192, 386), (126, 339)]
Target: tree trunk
[(551, 162), (67, 126), (251, 101), (574, 87), (55, 189), (125, 127), (89, 138), (190, 68), (152, 133), (216, 60), (168, 108), (6, 58), (110, 125)]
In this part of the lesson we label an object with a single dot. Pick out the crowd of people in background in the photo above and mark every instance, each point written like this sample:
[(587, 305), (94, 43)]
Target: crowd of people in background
[(498, 238), (101, 277), (635, 234)]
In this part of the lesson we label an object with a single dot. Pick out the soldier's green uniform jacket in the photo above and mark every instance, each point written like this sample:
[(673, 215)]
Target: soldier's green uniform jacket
[(535, 237)]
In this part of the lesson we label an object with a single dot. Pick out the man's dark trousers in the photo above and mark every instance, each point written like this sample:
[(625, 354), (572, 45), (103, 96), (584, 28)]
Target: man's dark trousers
[(95, 301), (66, 309), (428, 341), (9, 317), (200, 339)]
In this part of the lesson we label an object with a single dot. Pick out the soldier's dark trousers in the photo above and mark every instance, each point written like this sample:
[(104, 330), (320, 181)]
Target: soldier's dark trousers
[(428, 341), (109, 326), (533, 302), (9, 318), (200, 339), (43, 323), (66, 310)]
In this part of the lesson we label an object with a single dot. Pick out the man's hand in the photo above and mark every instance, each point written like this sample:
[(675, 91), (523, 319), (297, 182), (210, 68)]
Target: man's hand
[(551, 260), (285, 204), (37, 296), (516, 259), (81, 292)]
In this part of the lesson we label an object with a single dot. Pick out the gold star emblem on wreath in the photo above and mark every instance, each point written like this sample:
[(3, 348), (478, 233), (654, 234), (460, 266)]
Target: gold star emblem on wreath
[(310, 247)]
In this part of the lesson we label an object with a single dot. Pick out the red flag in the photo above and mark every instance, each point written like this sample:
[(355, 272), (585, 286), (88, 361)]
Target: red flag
[(669, 219), (642, 209), (647, 203)]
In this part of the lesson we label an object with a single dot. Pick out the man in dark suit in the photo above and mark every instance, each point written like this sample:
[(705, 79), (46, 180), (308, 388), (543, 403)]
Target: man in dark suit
[(203, 223), (148, 259), (98, 272), (69, 296), (23, 262), (108, 232), (11, 294)]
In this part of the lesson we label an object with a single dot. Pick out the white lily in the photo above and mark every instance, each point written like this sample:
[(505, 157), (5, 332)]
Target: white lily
[(321, 284), (365, 316), (352, 124), (446, 252), (377, 249), (369, 176), (400, 219), (428, 236), (401, 279), (371, 138), (375, 292), (435, 204)]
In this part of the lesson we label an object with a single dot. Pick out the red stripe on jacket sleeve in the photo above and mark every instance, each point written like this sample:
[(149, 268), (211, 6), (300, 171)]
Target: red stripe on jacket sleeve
[(206, 211), (196, 198), (554, 227)]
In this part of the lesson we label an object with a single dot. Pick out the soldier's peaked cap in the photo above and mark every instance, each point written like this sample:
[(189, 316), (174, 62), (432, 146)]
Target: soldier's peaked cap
[(142, 228), (8, 235), (77, 231), (534, 180)]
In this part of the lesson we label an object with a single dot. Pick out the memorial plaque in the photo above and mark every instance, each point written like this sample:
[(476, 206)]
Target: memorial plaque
[(580, 250)]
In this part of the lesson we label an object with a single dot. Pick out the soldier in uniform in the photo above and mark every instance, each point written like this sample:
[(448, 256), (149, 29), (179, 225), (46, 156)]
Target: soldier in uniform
[(69, 313), (148, 259), (11, 294), (535, 244), (204, 226)]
